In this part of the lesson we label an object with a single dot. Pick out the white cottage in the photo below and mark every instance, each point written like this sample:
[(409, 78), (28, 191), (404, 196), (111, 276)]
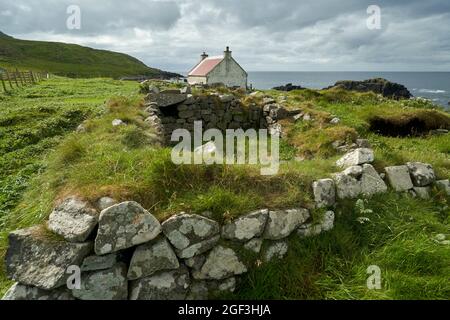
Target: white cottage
[(222, 69)]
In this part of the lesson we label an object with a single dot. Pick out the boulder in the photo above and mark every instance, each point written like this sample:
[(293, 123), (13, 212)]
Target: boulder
[(22, 292), (202, 289), (73, 219), (151, 257), (118, 122), (94, 263), (399, 178), (281, 224), (226, 98), (246, 227), (164, 285), (354, 171), (191, 235), (347, 187), (275, 250), (371, 182), (105, 202), (444, 185), (123, 226), (335, 121), (110, 284), (324, 193), (423, 192), (221, 263), (167, 98), (33, 259), (356, 157), (422, 174), (254, 245)]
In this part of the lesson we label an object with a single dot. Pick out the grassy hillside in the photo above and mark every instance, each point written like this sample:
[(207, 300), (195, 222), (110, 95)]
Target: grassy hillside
[(128, 163), (70, 60)]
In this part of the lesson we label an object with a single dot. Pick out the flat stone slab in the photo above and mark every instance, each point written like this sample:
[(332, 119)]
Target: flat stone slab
[(221, 263), (73, 219), (399, 178), (191, 235), (282, 223), (109, 284), (94, 263), (356, 157), (422, 174), (152, 257), (246, 227), (164, 285), (123, 226), (34, 260), (167, 99), (22, 292)]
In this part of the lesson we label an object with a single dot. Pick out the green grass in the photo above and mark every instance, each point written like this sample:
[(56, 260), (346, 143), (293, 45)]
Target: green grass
[(45, 161), (70, 60)]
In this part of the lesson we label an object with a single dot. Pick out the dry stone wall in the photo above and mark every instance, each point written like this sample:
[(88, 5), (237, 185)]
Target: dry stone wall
[(124, 252), (178, 109)]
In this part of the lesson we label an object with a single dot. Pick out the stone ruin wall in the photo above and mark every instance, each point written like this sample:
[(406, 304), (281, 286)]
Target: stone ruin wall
[(170, 110)]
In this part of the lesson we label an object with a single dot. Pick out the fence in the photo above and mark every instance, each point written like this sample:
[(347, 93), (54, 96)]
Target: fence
[(16, 79)]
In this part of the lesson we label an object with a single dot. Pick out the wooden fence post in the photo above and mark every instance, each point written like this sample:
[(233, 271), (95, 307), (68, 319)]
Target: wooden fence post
[(3, 83), (9, 80), (20, 77)]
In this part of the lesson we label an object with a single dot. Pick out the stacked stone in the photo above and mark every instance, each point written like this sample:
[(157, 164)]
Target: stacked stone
[(361, 179), (172, 109), (125, 253)]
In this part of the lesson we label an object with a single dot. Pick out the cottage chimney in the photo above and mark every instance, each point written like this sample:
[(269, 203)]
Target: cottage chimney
[(204, 56), (227, 53)]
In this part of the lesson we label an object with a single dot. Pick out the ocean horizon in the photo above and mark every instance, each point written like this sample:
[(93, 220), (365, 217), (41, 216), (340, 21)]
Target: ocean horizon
[(434, 86)]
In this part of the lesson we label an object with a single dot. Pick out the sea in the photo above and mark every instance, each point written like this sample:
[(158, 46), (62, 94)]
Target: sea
[(434, 86)]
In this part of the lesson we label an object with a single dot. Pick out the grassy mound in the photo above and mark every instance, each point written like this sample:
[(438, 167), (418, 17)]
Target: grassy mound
[(70, 60)]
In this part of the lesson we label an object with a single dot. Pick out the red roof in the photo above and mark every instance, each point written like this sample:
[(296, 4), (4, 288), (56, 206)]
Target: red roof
[(205, 66)]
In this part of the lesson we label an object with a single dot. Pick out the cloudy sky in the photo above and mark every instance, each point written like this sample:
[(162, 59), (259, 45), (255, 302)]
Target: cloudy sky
[(281, 35)]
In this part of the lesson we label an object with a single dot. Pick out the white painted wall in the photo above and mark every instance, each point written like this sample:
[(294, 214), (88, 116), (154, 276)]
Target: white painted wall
[(229, 73), (192, 80)]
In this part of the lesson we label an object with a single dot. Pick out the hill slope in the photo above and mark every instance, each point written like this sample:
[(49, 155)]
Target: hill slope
[(71, 60)]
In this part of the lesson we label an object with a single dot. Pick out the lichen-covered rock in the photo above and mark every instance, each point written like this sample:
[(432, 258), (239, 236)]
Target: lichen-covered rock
[(423, 192), (354, 171), (347, 187), (399, 178), (281, 224), (311, 229), (195, 262), (93, 263), (105, 202), (275, 250), (73, 219), (34, 260), (444, 185), (324, 193), (152, 257), (202, 289), (165, 285), (123, 226), (422, 174), (254, 245), (22, 292), (371, 182), (109, 284), (356, 157), (191, 235), (221, 263), (246, 227)]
